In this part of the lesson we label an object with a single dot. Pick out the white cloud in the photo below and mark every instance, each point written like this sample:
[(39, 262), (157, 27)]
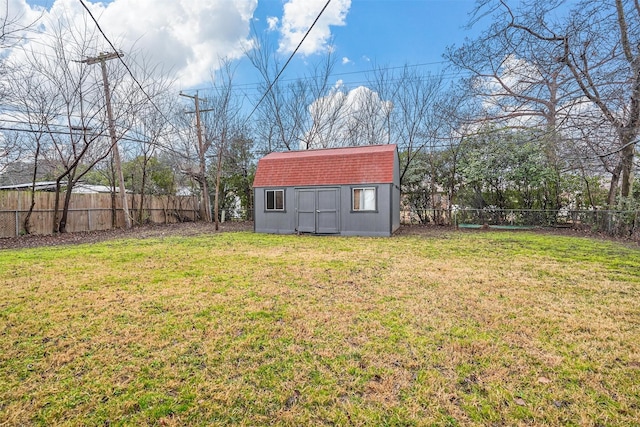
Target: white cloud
[(348, 117), (516, 76), (16, 14), (272, 21), (298, 17), (346, 60), (186, 36)]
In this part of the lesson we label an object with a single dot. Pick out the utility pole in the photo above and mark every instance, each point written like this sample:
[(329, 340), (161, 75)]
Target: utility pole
[(201, 159), (102, 59)]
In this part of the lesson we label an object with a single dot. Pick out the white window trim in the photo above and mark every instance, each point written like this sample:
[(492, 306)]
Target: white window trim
[(266, 200), (364, 200)]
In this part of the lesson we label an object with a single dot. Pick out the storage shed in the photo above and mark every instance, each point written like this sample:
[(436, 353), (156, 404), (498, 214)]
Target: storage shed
[(351, 191)]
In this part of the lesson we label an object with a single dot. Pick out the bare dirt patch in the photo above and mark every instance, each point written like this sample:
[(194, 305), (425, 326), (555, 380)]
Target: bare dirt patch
[(140, 232), (199, 228)]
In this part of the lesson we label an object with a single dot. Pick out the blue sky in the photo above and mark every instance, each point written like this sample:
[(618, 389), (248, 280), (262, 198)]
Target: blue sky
[(363, 33), (397, 31), (389, 33)]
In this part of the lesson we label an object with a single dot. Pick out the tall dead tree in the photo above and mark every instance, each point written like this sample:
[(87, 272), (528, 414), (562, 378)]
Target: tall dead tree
[(67, 107), (598, 44), (223, 122)]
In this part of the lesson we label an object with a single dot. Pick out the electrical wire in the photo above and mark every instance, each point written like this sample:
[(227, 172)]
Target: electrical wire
[(57, 132), (124, 63), (286, 63), (256, 85)]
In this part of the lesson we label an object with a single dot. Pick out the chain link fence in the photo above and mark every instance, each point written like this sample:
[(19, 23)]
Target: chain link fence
[(9, 224), (612, 222)]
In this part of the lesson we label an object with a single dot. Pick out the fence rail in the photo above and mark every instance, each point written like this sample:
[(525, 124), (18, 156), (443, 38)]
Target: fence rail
[(89, 212), (612, 222)]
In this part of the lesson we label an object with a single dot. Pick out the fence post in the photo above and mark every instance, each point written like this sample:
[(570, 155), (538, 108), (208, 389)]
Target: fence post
[(18, 215)]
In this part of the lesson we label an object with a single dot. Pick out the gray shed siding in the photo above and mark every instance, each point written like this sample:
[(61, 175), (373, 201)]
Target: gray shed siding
[(395, 194), (382, 222), (276, 222), (375, 223), (318, 188)]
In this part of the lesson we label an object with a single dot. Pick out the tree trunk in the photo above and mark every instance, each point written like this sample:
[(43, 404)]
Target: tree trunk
[(114, 210), (627, 164), (65, 210), (143, 185), (613, 187), (27, 225), (56, 206), (205, 208), (67, 200), (204, 187), (217, 197)]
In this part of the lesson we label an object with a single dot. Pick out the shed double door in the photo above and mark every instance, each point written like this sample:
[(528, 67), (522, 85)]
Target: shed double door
[(318, 210)]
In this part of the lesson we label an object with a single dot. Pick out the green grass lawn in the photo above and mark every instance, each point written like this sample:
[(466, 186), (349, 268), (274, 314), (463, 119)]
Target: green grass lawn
[(466, 328)]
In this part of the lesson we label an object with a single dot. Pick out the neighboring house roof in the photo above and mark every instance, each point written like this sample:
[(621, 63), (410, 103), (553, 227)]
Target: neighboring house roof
[(80, 187), (185, 191), (39, 186), (371, 164), (92, 189)]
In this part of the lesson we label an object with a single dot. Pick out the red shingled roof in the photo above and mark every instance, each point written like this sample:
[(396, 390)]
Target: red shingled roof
[(372, 164)]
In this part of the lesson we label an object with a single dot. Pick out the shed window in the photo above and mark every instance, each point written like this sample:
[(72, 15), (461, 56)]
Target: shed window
[(364, 199), (275, 200)]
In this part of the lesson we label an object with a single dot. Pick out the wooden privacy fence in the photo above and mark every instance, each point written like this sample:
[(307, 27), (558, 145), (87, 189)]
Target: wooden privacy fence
[(90, 212)]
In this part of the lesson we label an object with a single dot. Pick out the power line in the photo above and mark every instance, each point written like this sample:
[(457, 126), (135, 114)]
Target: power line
[(345, 73), (288, 60), (246, 89), (123, 63), (96, 135), (58, 132)]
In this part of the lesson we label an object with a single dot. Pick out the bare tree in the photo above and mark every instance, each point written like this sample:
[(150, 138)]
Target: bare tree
[(298, 114), (222, 122), (150, 127), (522, 85), (454, 113), (325, 106), (279, 115), (145, 106), (61, 101), (347, 118), (13, 25), (412, 121), (596, 43), (607, 70), (37, 111)]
